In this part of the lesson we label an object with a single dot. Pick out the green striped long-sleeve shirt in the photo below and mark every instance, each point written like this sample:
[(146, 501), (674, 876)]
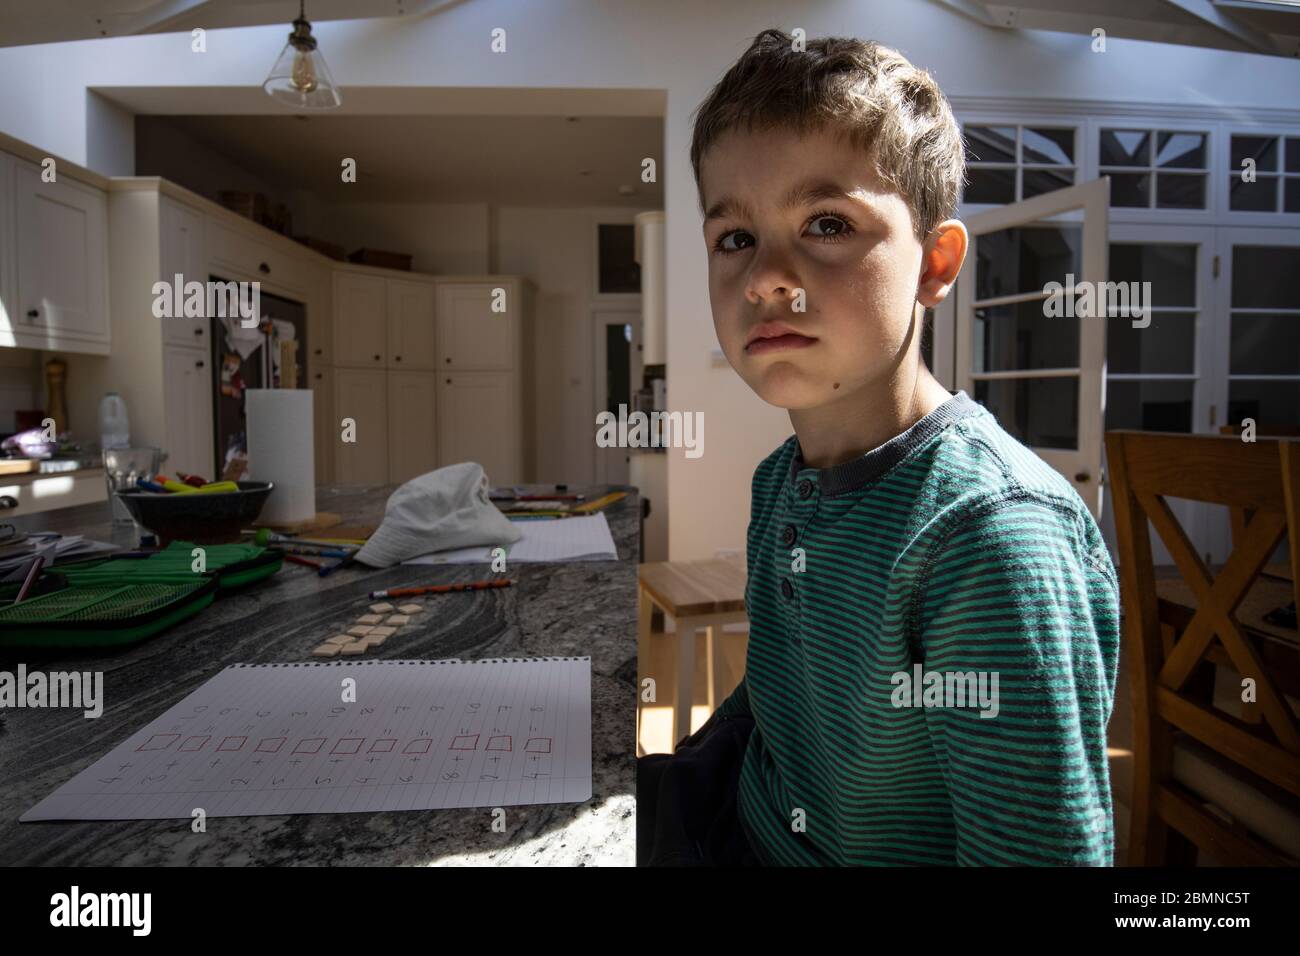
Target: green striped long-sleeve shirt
[(934, 631)]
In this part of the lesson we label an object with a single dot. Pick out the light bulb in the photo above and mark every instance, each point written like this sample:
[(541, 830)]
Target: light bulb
[(304, 74)]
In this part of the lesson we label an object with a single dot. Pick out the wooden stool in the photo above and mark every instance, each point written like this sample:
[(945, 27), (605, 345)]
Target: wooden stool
[(705, 594)]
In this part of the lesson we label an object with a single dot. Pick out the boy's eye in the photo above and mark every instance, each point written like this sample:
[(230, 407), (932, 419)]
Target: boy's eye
[(734, 241), (825, 226)]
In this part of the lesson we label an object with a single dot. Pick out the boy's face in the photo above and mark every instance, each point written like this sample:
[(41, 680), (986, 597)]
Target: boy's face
[(788, 211)]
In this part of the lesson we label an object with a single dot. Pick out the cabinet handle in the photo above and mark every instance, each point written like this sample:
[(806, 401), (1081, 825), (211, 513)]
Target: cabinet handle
[(319, 375), (263, 267), (199, 364), (448, 381), (7, 502), (376, 358), (33, 313), (319, 351), (397, 358), (447, 360), (198, 331)]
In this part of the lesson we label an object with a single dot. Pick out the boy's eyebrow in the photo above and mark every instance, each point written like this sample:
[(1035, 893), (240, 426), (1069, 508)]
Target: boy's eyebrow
[(806, 193)]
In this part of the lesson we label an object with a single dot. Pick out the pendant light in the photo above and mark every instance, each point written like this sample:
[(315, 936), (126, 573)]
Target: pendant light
[(300, 77)]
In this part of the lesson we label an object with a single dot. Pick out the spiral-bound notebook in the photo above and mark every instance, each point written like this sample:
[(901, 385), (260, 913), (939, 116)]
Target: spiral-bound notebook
[(348, 737)]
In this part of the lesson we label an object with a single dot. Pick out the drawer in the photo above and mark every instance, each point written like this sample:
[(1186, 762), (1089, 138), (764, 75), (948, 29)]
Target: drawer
[(31, 494)]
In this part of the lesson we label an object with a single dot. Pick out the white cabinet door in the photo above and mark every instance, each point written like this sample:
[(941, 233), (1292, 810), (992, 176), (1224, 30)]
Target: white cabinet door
[(362, 396), (325, 426), (411, 335), (61, 231), (471, 336), (182, 254), (187, 394), (412, 448), (478, 420), (360, 324)]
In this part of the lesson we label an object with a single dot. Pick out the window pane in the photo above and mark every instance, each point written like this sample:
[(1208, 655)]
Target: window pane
[(1165, 347), (1048, 146), (1130, 189), (1171, 270), (1181, 150), (1259, 196), (1265, 345), (1042, 412), (990, 185), (1292, 195), (617, 265), (1269, 403), (1262, 149), (1150, 406), (1025, 259), (1039, 181), (1020, 336), (1264, 277), (1293, 155), (1180, 191), (991, 144), (1125, 147)]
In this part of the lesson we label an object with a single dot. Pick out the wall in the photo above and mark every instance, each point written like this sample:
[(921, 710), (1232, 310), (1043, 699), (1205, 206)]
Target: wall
[(681, 46)]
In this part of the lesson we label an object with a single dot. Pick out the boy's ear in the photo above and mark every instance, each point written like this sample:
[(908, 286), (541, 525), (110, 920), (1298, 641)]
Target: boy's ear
[(942, 257)]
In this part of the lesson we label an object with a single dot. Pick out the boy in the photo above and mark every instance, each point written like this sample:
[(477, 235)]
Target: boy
[(934, 617)]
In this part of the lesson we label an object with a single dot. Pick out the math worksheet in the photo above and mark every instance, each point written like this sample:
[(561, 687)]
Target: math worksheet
[(349, 737)]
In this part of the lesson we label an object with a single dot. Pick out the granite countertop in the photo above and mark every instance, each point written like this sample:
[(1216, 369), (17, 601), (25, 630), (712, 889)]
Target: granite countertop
[(581, 608)]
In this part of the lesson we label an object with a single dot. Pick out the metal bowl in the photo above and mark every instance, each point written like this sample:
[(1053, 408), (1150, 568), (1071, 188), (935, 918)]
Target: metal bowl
[(202, 519)]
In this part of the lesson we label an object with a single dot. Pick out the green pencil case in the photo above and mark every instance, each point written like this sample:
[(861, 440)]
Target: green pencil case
[(113, 601)]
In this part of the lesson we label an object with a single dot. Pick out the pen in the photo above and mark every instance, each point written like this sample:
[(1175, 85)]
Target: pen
[(442, 588)]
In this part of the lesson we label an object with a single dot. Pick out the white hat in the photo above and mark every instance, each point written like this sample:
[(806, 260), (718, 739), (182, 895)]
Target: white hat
[(446, 508)]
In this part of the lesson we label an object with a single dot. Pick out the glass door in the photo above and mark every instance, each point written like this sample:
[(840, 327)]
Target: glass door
[(1021, 346)]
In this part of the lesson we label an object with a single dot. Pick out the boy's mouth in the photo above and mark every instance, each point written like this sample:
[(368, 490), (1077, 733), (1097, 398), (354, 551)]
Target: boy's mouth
[(776, 337)]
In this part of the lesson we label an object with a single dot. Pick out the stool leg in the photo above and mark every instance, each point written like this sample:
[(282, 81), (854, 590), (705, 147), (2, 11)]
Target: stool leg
[(644, 615), (711, 666), (685, 678)]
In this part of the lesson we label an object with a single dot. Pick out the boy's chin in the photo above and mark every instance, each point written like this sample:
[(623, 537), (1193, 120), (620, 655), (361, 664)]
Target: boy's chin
[(791, 390)]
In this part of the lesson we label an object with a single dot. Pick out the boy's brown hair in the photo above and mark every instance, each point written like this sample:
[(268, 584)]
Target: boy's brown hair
[(889, 108)]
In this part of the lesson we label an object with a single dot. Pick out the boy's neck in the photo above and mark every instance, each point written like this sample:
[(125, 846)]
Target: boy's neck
[(864, 420)]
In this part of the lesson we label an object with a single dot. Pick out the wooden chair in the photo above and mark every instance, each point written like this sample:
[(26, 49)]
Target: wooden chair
[(1172, 650), (1239, 516)]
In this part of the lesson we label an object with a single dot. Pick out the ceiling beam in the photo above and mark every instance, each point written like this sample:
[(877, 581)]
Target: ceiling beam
[(1215, 16), (156, 18), (972, 10)]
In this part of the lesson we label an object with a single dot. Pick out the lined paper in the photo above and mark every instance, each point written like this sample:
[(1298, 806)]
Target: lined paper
[(279, 738), (586, 538)]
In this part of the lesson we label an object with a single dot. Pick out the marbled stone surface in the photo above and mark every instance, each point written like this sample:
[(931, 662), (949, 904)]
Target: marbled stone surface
[(579, 608)]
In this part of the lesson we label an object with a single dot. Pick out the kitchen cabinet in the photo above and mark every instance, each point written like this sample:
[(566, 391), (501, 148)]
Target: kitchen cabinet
[(360, 320), (183, 254), (361, 395), (472, 336), (412, 341), (187, 394), (478, 420), (412, 425), (58, 235)]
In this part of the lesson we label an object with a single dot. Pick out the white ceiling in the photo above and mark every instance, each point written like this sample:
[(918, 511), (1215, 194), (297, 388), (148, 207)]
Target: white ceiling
[(24, 22), (1270, 27), (505, 160)]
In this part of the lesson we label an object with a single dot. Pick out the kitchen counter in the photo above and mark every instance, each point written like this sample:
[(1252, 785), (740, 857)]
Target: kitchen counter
[(580, 608)]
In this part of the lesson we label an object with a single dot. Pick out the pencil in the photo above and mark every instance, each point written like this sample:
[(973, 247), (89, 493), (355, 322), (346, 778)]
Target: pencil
[(441, 588), (307, 562)]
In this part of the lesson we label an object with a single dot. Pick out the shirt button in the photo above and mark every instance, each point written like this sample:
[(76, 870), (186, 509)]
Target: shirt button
[(787, 589), (805, 488), (788, 534)]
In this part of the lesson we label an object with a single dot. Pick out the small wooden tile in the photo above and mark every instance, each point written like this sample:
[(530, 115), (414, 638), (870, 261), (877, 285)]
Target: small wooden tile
[(411, 608), (361, 630), (340, 639), (352, 650), (370, 619), (382, 632), (397, 619), (375, 640), (381, 608), (326, 650)]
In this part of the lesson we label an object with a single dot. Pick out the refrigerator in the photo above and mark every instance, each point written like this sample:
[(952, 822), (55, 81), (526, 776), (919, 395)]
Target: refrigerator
[(272, 355)]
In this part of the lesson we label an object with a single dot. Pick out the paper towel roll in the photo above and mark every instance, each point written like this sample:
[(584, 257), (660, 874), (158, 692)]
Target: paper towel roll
[(280, 449)]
